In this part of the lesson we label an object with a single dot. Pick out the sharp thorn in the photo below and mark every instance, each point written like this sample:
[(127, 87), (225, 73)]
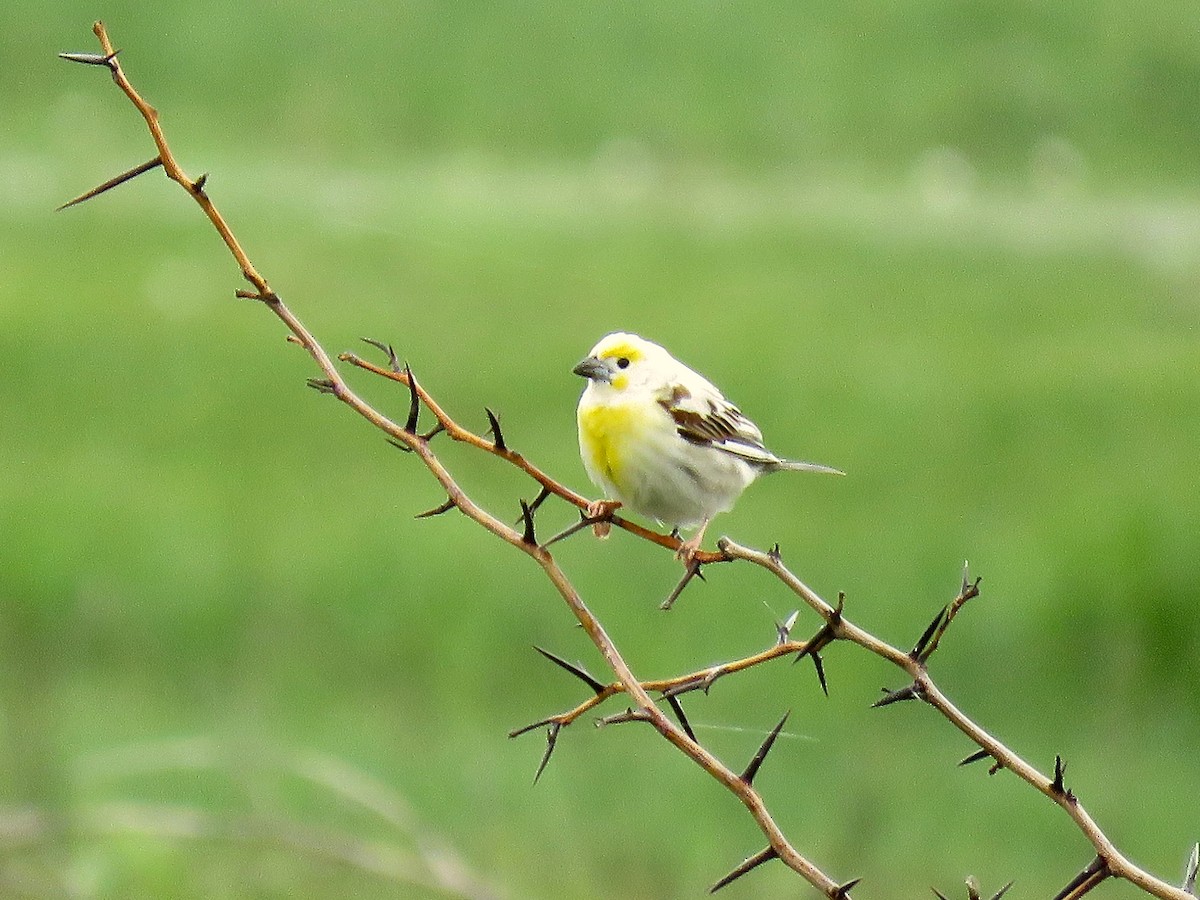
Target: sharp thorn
[(692, 570), (401, 446), (974, 757), (551, 740), (747, 865), (543, 495), (433, 432), (1094, 873), (1004, 890), (677, 708), (322, 385), (393, 360), (784, 629), (844, 890), (414, 402), (630, 715), (528, 536), (820, 667), (756, 763), (198, 184), (538, 500), (773, 554), (918, 652), (90, 59), (494, 427), (525, 729), (938, 894), (437, 510), (1056, 786), (113, 182), (911, 692), (583, 523), (578, 671)]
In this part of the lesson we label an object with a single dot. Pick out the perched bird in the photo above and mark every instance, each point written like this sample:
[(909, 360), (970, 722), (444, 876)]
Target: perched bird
[(661, 439)]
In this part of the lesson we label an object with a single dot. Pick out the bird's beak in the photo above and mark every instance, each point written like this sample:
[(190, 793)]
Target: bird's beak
[(593, 368)]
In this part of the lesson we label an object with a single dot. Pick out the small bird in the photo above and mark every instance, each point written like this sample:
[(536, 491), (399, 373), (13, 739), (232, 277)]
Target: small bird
[(661, 439)]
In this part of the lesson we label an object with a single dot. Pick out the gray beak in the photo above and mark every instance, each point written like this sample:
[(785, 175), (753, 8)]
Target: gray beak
[(594, 369)]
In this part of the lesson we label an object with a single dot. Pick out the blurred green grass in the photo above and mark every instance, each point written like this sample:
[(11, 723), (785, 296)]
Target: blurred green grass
[(948, 250)]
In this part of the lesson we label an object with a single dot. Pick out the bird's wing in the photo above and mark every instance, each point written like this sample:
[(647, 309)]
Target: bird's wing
[(705, 418)]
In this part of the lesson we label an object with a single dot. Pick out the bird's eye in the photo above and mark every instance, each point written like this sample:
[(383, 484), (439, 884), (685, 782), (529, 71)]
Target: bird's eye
[(623, 363)]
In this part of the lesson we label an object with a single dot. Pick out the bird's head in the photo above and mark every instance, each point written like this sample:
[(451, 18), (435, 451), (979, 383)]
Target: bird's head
[(624, 362)]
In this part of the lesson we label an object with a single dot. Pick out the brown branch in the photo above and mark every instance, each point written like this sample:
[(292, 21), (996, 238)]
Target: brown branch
[(333, 383), (1111, 861)]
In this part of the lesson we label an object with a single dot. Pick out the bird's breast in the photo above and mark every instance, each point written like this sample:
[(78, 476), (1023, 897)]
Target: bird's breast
[(608, 437)]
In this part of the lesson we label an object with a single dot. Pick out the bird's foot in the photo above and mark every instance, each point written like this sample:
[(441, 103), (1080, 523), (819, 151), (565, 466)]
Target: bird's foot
[(601, 511), (688, 549)]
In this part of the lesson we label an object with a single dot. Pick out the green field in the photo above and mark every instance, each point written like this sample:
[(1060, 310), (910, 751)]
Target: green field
[(949, 248)]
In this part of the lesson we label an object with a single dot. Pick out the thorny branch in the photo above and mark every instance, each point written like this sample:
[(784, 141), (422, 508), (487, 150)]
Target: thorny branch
[(1108, 863)]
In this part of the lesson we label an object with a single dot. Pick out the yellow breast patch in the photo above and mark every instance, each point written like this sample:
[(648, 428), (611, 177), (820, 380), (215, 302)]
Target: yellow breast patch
[(605, 433)]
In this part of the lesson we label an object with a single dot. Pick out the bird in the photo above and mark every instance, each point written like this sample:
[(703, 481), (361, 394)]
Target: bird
[(661, 439)]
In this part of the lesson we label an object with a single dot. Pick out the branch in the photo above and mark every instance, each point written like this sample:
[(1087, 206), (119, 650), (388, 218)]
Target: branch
[(1111, 862), (332, 383)]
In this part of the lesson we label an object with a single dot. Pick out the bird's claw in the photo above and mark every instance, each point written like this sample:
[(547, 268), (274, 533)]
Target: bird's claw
[(600, 513)]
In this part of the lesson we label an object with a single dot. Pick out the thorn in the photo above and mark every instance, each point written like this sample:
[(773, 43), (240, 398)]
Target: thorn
[(583, 523), (433, 432), (497, 434), (630, 715), (322, 385), (401, 446), (1056, 786), (844, 890), (974, 757), (912, 692), (752, 769), (692, 570), (525, 729), (437, 510), (198, 184), (773, 553), (1094, 873), (542, 497), (113, 182), (576, 670), (90, 59), (820, 667), (551, 740), (393, 360), (537, 501), (917, 652), (414, 402), (1004, 890), (938, 894), (677, 708), (748, 865), (1189, 871), (528, 536), (784, 630)]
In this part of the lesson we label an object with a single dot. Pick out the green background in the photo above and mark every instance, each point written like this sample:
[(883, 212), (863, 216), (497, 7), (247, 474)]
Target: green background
[(947, 247)]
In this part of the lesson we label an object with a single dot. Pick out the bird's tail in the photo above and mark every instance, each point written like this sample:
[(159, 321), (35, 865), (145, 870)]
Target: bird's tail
[(795, 465)]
